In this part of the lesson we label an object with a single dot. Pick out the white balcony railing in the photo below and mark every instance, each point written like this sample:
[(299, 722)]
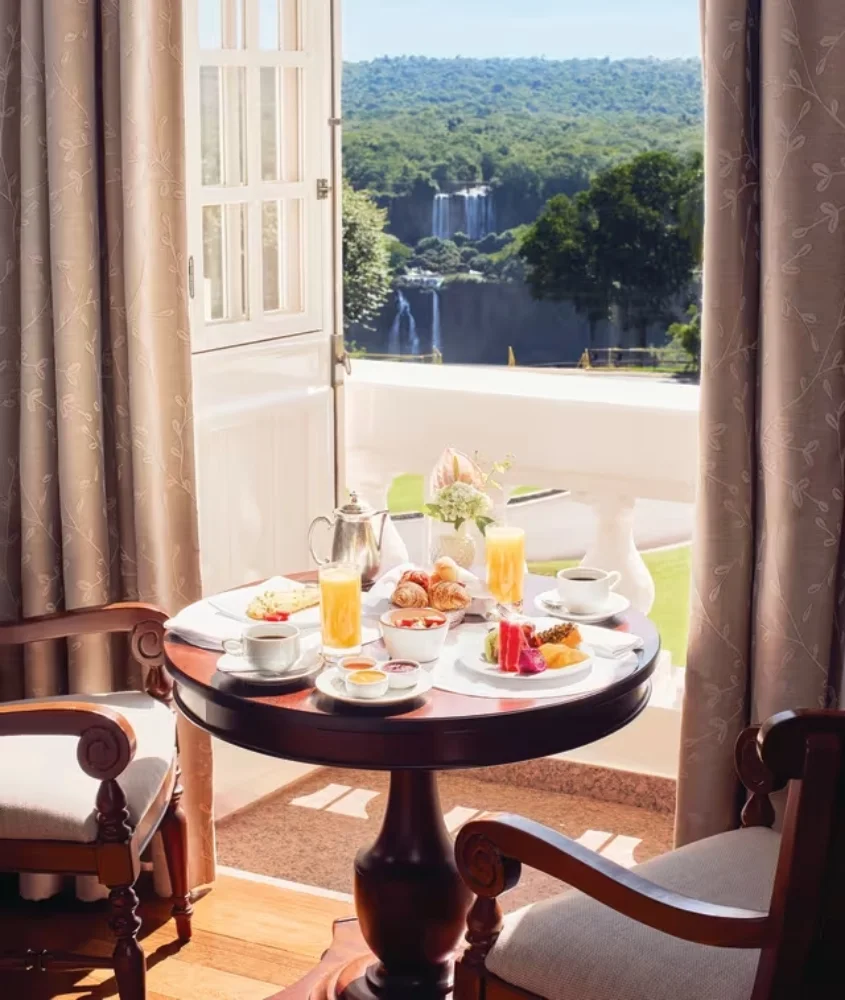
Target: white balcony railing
[(608, 439)]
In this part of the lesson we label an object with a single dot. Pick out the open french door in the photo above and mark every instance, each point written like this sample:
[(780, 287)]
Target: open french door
[(263, 188)]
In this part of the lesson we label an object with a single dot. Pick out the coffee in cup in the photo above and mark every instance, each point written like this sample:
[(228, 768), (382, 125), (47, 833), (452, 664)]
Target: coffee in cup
[(584, 590), (269, 648)]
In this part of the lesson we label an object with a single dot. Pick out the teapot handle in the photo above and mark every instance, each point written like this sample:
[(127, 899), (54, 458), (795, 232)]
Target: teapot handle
[(314, 523), (385, 514)]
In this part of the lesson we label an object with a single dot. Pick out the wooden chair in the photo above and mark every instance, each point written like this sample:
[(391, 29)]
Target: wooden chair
[(746, 915), (95, 814)]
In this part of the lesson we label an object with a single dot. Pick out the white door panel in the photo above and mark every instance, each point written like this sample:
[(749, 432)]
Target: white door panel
[(260, 99), (265, 455), (257, 107)]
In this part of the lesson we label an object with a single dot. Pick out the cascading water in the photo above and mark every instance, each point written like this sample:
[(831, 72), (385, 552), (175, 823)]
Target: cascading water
[(441, 213), (403, 312), (435, 321), (468, 211)]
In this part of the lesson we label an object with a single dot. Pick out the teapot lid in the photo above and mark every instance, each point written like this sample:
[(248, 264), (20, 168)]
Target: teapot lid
[(355, 509)]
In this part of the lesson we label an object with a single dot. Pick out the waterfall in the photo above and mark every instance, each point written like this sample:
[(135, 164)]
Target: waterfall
[(435, 321), (441, 210), (467, 211), (403, 309)]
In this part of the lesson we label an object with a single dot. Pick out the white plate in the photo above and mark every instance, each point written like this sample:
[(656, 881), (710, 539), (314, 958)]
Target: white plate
[(233, 604), (550, 603), (470, 654), (309, 663), (331, 683)]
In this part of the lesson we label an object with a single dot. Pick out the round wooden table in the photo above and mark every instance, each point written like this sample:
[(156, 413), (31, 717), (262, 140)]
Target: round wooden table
[(410, 902)]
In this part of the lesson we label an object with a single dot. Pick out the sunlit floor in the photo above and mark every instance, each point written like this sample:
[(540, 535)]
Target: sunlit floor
[(251, 938)]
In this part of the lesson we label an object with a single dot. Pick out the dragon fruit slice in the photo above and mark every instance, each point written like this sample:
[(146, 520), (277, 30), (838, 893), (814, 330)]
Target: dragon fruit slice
[(531, 662)]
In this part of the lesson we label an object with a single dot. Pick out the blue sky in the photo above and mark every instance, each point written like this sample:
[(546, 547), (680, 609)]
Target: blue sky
[(558, 29)]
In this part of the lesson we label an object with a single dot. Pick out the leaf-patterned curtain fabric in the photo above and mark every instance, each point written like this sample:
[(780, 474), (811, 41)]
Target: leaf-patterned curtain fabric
[(769, 584), (96, 442)]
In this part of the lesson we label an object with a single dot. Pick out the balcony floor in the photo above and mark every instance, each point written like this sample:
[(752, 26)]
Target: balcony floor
[(342, 809)]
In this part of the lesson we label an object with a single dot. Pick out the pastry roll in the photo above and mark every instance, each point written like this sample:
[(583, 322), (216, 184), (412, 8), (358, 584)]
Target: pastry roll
[(410, 595), (450, 597)]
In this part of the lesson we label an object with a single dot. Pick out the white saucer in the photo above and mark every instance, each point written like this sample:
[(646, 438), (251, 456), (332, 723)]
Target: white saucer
[(309, 663), (331, 683), (550, 603)]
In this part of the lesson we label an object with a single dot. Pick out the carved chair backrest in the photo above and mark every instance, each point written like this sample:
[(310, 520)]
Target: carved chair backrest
[(806, 750), (144, 625)]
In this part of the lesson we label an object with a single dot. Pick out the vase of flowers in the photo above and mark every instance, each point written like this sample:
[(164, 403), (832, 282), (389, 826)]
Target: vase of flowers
[(459, 499)]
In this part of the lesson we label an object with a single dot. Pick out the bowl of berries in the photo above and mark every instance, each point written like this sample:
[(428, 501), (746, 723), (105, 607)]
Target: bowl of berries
[(414, 633)]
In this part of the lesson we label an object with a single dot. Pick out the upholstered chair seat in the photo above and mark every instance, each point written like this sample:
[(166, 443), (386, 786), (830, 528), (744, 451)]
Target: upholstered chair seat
[(574, 948), (45, 795)]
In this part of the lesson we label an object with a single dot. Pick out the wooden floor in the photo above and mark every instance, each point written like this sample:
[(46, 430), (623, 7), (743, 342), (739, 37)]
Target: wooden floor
[(250, 939)]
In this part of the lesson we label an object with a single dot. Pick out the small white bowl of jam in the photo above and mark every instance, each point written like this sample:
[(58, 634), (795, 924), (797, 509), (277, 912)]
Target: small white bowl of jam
[(402, 674), (367, 684)]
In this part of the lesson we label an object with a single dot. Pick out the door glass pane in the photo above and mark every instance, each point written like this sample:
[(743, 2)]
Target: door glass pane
[(279, 25), (221, 24), (268, 24), (223, 124), (280, 124), (281, 222), (224, 256)]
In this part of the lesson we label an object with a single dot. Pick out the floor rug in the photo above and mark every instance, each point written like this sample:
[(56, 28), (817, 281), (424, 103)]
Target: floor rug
[(310, 831)]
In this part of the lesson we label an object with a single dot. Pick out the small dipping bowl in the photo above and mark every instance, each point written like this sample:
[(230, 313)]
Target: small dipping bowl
[(402, 673), (350, 664), (367, 684)]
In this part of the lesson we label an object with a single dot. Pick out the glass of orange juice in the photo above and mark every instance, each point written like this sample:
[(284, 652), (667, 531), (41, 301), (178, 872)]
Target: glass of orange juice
[(506, 565), (340, 601)]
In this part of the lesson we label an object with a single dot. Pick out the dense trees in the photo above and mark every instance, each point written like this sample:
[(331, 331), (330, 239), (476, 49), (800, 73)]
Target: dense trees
[(535, 128), (366, 257), (619, 243)]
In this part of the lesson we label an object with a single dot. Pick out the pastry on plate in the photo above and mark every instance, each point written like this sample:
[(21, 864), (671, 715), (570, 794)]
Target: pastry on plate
[(417, 576), (445, 571), (410, 595), (449, 597), (274, 602)]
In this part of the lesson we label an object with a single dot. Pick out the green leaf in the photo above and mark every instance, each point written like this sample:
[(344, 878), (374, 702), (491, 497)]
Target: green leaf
[(458, 522), (434, 511), (483, 523)]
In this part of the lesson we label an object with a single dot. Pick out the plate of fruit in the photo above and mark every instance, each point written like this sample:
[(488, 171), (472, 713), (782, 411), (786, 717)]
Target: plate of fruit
[(539, 650)]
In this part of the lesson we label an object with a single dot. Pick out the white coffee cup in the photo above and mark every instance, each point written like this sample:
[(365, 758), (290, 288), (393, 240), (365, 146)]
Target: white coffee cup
[(583, 590), (270, 648)]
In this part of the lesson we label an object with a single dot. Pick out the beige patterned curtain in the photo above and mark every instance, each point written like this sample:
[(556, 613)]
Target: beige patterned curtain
[(769, 584), (96, 442)]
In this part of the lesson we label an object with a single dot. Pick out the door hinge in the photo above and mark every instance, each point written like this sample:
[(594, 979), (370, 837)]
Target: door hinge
[(335, 122), (341, 355), (191, 277), (324, 189)]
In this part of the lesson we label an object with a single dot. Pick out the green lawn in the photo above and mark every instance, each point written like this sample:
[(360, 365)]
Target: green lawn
[(669, 567)]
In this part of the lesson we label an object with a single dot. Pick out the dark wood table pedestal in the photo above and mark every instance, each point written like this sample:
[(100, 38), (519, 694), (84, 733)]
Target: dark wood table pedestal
[(410, 900)]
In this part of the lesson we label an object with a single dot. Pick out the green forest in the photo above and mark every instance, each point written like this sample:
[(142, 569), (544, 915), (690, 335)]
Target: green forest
[(541, 126), (591, 171)]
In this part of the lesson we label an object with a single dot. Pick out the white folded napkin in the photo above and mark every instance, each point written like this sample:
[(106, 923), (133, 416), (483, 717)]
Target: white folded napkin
[(202, 625), (610, 643)]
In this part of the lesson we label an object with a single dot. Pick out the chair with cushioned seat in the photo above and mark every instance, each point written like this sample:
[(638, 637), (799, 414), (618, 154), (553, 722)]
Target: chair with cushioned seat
[(746, 915), (86, 781)]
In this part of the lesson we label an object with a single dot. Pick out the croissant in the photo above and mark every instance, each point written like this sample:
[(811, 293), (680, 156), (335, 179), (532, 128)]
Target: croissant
[(417, 576), (410, 595), (445, 571), (449, 597)]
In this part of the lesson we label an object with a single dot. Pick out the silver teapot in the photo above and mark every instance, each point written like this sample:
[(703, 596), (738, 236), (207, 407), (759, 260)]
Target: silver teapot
[(354, 538)]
